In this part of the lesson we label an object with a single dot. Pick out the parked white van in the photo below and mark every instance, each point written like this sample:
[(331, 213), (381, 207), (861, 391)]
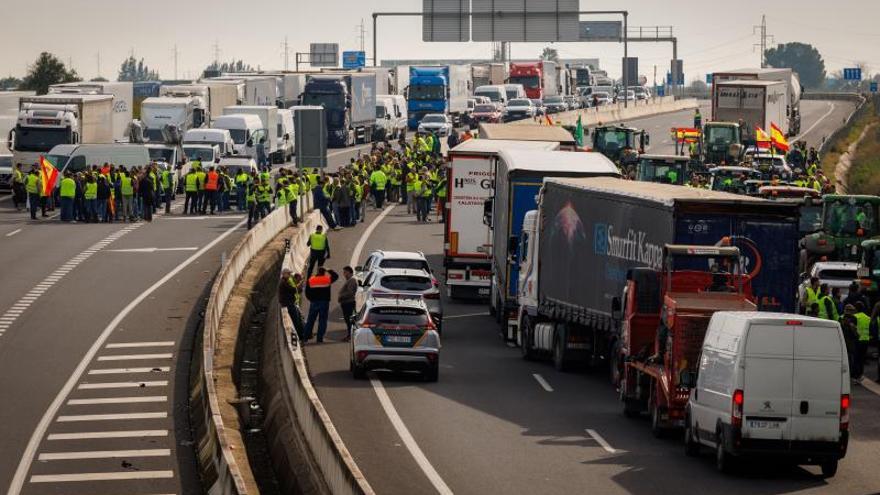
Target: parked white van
[(221, 138), (286, 137), (770, 384), (246, 131), (79, 157), (496, 93), (514, 91)]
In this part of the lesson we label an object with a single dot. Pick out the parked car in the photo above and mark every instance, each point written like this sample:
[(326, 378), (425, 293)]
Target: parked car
[(436, 123), (486, 113), (770, 384), (601, 99), (642, 93), (381, 259), (769, 164), (405, 281), (573, 102), (519, 108), (396, 333), (555, 104), (837, 274)]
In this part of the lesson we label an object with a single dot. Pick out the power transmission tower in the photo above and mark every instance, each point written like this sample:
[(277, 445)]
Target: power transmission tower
[(286, 47), (762, 30), (98, 57), (216, 48), (176, 55), (362, 34)]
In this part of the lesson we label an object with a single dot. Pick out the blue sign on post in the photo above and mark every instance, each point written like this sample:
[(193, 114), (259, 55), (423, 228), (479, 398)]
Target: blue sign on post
[(874, 86), (354, 60), (660, 90), (709, 78), (854, 74)]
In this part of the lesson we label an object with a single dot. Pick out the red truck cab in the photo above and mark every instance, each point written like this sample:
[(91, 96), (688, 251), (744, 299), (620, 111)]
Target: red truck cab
[(531, 76), (665, 317)]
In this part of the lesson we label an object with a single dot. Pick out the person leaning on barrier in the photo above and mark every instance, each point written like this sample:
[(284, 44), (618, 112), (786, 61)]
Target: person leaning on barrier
[(288, 298)]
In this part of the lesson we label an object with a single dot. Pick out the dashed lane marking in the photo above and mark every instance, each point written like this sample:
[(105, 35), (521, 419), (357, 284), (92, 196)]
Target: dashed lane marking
[(103, 454), (10, 234), (97, 386), (129, 357), (117, 400), (122, 371), (125, 345), (127, 475), (601, 441), (92, 435), (542, 382), (74, 418)]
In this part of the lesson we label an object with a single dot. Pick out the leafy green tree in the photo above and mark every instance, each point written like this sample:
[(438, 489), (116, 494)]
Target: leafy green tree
[(135, 70), (99, 79), (235, 66), (46, 71), (550, 54), (10, 82), (802, 58)]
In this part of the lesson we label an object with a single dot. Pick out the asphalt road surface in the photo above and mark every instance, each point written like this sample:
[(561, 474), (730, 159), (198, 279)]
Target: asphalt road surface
[(495, 423), (96, 328)]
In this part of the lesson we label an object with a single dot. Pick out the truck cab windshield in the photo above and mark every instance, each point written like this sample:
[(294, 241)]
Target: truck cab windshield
[(201, 154), (614, 140), (665, 173), (526, 81), (421, 92), (40, 140), (846, 219), (330, 101), (720, 135)]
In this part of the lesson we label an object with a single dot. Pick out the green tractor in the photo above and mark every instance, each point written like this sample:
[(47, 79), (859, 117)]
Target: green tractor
[(621, 144), (722, 143), (847, 222), (869, 269)]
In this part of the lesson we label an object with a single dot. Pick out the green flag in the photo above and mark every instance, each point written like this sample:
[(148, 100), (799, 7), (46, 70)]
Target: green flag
[(579, 132)]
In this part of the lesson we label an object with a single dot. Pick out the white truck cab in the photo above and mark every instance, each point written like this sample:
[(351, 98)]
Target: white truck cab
[(246, 131), (770, 384)]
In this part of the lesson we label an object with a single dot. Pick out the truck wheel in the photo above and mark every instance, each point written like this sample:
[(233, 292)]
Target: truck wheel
[(829, 468), (525, 328), (629, 406), (559, 361), (691, 445)]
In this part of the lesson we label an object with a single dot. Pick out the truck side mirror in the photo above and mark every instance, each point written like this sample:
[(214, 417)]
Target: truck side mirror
[(687, 379), (487, 212), (11, 140), (287, 137), (647, 139), (616, 309)]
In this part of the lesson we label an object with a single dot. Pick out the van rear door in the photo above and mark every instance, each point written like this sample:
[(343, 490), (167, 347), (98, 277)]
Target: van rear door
[(819, 374), (767, 386)]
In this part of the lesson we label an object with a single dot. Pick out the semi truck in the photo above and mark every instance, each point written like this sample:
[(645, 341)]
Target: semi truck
[(584, 242), (518, 178), (751, 103), (438, 89), (487, 74), (251, 89), (794, 90), (164, 114), (123, 100), (49, 120), (349, 101), (210, 99), (540, 79), (467, 242)]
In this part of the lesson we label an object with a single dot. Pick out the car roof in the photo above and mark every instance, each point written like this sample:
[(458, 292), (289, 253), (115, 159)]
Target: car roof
[(835, 265), (396, 301), (768, 317), (404, 255)]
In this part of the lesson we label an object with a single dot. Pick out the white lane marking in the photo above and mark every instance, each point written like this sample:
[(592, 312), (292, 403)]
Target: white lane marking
[(510, 344), (42, 427), (408, 439), (234, 217), (399, 426), (542, 382), (92, 435), (870, 385), (74, 418), (809, 129), (103, 454), (117, 400), (10, 234), (471, 315), (121, 371), (124, 345), (127, 357), (125, 475), (151, 250), (601, 441), (55, 276), (98, 386)]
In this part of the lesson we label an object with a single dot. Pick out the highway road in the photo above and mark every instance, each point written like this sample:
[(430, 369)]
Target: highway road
[(496, 423), (96, 328)]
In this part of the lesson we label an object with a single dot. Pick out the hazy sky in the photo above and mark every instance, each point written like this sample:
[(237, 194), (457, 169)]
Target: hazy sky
[(712, 35)]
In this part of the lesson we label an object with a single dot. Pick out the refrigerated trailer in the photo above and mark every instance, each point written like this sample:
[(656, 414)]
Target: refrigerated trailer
[(752, 104), (467, 244)]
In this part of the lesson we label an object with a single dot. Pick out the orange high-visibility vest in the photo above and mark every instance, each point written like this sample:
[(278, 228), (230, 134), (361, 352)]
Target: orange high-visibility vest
[(211, 182)]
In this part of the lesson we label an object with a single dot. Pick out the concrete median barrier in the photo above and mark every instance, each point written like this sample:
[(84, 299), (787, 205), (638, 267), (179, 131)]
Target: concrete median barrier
[(617, 112)]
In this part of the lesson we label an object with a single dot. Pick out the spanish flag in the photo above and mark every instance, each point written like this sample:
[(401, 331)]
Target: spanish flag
[(762, 138), (777, 137), (548, 119), (48, 176)]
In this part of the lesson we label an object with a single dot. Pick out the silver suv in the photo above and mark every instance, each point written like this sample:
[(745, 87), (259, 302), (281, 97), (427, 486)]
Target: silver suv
[(395, 332), (403, 281)]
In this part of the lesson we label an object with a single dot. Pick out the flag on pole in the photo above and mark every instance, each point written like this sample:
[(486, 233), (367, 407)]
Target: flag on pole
[(579, 132), (777, 137), (48, 176), (548, 119), (762, 138)]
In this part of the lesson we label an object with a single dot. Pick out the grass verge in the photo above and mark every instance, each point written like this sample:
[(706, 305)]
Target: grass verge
[(841, 144), (864, 175)]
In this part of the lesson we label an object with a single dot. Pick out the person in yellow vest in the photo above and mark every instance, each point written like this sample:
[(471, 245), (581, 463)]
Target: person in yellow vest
[(126, 187), (264, 198), (411, 178), (293, 190), (378, 181), (191, 192), (319, 249), (67, 193), (202, 196), (863, 327), (827, 306), (811, 295), (19, 192), (166, 183), (91, 195), (241, 181), (420, 186)]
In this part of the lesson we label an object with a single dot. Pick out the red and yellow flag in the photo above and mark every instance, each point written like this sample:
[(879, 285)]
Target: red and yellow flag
[(777, 137), (686, 134), (48, 176), (762, 138), (548, 119)]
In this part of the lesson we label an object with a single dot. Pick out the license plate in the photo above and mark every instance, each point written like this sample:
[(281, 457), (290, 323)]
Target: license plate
[(397, 339), (484, 291), (765, 425)]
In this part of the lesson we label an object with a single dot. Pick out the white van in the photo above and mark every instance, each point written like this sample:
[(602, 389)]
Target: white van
[(384, 118), (246, 131), (221, 138), (496, 93), (78, 157), (286, 137), (770, 384), (514, 91), (402, 114)]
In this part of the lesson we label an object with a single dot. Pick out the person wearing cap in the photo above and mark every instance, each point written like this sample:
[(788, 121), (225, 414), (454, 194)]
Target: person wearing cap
[(319, 249), (318, 293)]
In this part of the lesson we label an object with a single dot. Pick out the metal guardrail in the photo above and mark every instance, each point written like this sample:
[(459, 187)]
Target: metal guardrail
[(219, 471)]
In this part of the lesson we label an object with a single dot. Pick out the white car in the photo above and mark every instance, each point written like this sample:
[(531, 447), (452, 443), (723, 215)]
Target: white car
[(396, 333), (436, 123), (771, 163), (770, 384), (379, 259), (519, 108), (837, 274), (237, 162), (403, 281)]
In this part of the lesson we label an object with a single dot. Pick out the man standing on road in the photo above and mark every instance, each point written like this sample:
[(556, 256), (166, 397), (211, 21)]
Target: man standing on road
[(147, 193), (33, 186), (67, 192), (262, 162), (319, 249), (19, 195), (318, 294), (191, 190), (241, 182), (346, 299), (212, 186), (378, 179)]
